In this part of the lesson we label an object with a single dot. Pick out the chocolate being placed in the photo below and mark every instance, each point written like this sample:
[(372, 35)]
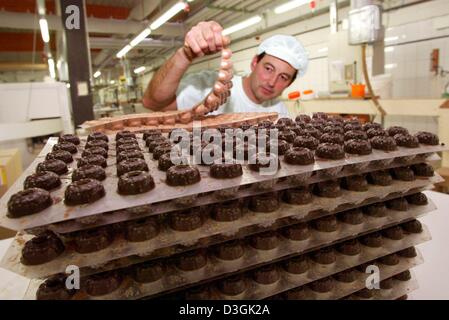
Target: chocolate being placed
[(393, 233), (322, 285), (192, 260), (403, 174), (371, 125), (427, 138), (95, 151), (296, 265), (423, 170), (125, 155), (103, 283), (349, 247), (419, 199), (83, 191), (282, 146), (303, 118), (408, 253), (346, 276), (357, 146), (97, 136), (297, 232), (299, 156), (270, 162), (328, 189), (406, 140), (398, 204), (134, 164), (125, 134), (333, 129), (148, 271), (383, 143), (394, 130), (371, 133), (57, 166), (65, 146), (227, 211), (373, 240), (89, 171), (264, 241), (93, 240), (141, 230), (167, 161), (46, 180), (55, 288), (357, 135), (97, 144), (298, 196), (287, 135), (326, 224), (231, 250), (307, 141), (29, 201), (126, 141), (330, 151), (332, 138), (380, 178), (128, 148), (390, 260), (413, 226), (186, 220), (69, 138), (93, 159), (355, 183), (42, 249), (324, 256), (233, 285), (183, 175), (266, 275), (403, 276), (135, 182), (226, 170), (60, 155), (377, 210), (267, 202), (353, 217)]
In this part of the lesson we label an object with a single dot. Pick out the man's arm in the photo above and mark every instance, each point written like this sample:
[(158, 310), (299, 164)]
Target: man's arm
[(204, 38), (160, 94)]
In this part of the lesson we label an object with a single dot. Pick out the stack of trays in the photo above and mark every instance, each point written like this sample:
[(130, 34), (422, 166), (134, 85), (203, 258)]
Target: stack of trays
[(138, 226)]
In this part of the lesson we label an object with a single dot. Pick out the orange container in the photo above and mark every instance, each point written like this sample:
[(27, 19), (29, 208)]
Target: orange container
[(358, 90), (294, 95)]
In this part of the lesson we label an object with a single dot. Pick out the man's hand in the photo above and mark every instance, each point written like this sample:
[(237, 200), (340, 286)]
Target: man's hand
[(205, 38)]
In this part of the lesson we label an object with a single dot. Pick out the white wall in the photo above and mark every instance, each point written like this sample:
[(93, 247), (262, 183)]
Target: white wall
[(22, 76)]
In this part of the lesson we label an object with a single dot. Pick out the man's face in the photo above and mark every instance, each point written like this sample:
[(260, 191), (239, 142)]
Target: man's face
[(269, 77)]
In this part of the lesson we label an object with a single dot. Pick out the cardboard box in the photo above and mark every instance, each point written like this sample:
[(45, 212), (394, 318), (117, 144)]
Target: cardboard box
[(10, 166)]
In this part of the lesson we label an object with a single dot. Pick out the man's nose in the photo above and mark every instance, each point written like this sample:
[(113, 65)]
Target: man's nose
[(272, 81)]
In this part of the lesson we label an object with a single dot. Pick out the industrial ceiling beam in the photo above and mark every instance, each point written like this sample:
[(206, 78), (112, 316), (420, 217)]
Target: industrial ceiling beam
[(111, 43)]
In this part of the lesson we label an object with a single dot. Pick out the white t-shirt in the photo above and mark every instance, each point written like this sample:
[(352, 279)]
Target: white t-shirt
[(193, 88)]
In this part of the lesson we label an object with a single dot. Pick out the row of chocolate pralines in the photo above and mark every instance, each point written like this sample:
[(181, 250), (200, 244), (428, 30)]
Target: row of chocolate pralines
[(48, 246), (147, 272), (236, 286)]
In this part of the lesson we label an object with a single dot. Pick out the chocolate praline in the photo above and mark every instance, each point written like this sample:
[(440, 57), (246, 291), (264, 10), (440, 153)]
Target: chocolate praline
[(330, 151), (97, 136), (46, 180), (227, 211), (60, 155), (93, 159), (298, 196), (419, 199), (306, 141), (83, 191), (141, 230), (394, 130), (183, 175), (135, 182), (427, 138), (42, 249), (65, 146), (148, 271), (267, 202), (129, 165), (92, 240), (27, 202), (103, 283), (299, 156), (89, 171), (69, 138), (54, 165), (360, 147), (383, 143), (95, 151), (55, 288)]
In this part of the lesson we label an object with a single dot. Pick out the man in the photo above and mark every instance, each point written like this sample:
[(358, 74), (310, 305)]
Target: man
[(279, 60)]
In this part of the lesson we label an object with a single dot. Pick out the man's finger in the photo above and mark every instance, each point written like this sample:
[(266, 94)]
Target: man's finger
[(208, 35)]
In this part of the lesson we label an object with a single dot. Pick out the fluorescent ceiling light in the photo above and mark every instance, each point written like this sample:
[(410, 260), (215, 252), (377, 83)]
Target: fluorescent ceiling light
[(391, 66), (51, 68), (290, 5), (139, 69), (390, 39), (389, 49), (97, 74), (112, 82), (145, 33), (124, 51), (242, 25), (44, 30), (168, 15), (322, 50)]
